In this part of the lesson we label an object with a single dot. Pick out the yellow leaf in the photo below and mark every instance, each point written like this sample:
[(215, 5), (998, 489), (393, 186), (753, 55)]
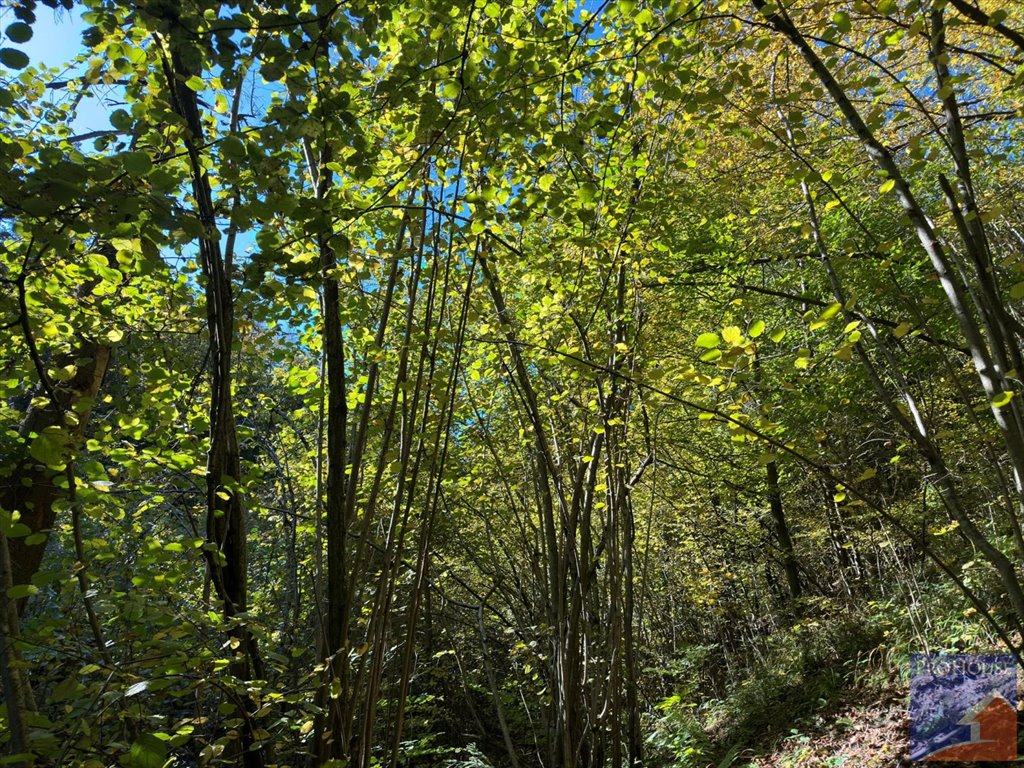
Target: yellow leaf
[(831, 311), (732, 335), (1002, 399)]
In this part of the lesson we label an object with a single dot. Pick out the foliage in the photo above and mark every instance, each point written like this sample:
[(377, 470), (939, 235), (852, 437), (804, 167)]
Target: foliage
[(480, 383)]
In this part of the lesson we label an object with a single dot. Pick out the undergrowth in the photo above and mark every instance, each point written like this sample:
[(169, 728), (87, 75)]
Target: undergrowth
[(805, 674)]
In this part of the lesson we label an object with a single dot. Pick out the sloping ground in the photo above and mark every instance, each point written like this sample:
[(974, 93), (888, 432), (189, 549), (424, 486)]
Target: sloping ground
[(860, 735)]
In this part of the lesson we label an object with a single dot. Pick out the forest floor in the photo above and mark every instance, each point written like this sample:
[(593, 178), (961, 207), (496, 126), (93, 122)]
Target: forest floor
[(863, 729), (858, 731)]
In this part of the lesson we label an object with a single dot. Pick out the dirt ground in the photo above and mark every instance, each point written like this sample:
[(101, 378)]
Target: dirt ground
[(860, 735)]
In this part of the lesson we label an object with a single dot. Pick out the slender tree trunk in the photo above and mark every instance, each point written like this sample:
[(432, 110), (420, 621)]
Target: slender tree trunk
[(330, 733), (420, 592), (562, 715), (12, 671), (493, 685), (227, 559), (778, 512), (789, 562), (989, 372)]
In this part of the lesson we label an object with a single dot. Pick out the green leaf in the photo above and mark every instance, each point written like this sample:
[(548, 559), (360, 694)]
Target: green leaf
[(148, 752), (708, 340), (16, 530), (21, 590), (18, 32), (588, 192), (778, 335), (48, 447), (902, 330), (546, 181), (232, 148), (136, 56), (121, 119), (12, 58), (271, 71), (887, 186), (756, 329), (1017, 291), (137, 163)]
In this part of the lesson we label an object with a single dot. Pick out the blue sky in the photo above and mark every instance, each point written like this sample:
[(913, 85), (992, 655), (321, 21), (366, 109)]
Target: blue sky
[(56, 41)]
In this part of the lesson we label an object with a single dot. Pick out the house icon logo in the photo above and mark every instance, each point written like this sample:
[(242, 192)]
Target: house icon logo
[(993, 724), (963, 708)]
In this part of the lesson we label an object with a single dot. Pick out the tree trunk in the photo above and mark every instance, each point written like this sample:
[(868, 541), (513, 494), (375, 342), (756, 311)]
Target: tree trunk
[(986, 364), (31, 488), (227, 558), (16, 693), (789, 562)]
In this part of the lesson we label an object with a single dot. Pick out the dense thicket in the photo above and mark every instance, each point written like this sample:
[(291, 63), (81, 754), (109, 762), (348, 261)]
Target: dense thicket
[(481, 383)]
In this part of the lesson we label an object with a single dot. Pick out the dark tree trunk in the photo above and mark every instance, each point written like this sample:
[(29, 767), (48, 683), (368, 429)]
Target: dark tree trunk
[(31, 489), (225, 510), (782, 533)]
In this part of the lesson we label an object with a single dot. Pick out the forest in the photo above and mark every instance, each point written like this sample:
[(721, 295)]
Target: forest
[(504, 384)]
